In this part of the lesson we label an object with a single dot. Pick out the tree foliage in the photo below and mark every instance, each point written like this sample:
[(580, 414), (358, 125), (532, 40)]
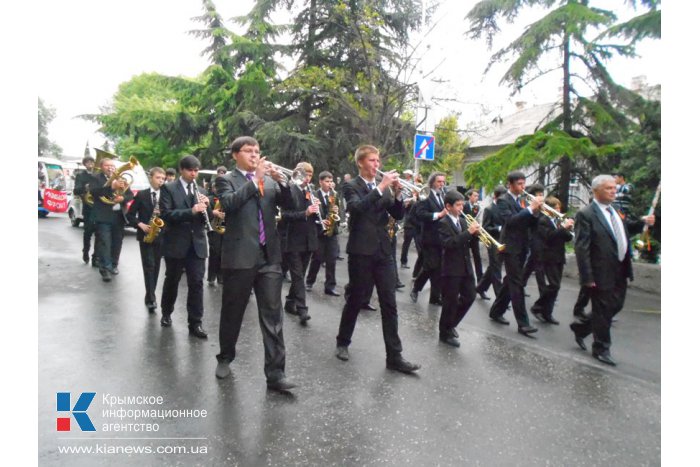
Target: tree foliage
[(46, 146)]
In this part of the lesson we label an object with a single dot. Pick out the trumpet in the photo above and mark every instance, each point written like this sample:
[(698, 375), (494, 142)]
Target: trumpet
[(484, 236), (296, 176), (409, 188), (548, 210), (120, 173)]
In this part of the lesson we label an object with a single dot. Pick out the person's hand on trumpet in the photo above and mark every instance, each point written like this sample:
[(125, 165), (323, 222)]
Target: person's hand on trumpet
[(474, 228), (388, 179)]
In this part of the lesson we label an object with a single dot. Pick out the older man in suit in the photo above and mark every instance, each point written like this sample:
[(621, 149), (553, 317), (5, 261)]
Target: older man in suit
[(370, 260), (604, 258), (517, 219), (184, 210), (251, 257)]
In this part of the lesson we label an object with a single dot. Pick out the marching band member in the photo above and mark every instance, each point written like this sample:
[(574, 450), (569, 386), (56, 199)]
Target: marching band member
[(251, 257), (604, 258), (140, 215), (83, 182), (215, 238), (492, 223), (549, 252), (300, 242), (472, 207), (328, 249), (458, 282), (185, 213), (517, 221), (170, 175), (429, 212), (369, 254), (109, 218)]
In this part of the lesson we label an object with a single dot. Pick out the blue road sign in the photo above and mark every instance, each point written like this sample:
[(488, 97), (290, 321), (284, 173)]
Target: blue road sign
[(424, 147)]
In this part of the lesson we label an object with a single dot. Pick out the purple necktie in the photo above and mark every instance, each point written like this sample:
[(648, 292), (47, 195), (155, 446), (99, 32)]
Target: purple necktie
[(261, 224)]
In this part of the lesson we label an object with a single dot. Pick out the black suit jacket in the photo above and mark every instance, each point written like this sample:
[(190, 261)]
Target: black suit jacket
[(596, 248), (549, 242), (301, 231), (240, 199), (369, 216), (455, 248), (184, 228), (491, 221), (141, 210), (424, 214), (517, 222), (104, 212)]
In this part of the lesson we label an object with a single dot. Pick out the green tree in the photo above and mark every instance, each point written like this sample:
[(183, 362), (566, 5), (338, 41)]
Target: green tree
[(450, 148), (563, 35), (47, 147)]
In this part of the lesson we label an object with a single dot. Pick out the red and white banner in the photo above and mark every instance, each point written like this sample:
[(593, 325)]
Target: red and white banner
[(55, 201)]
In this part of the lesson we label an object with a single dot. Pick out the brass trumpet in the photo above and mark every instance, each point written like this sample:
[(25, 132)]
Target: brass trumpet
[(406, 186), (120, 173), (548, 210), (296, 176), (484, 236)]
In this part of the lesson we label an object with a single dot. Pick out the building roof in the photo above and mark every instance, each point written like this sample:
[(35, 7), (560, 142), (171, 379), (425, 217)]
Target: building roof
[(506, 130)]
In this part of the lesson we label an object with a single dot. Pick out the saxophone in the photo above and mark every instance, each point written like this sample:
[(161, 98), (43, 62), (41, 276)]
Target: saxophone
[(156, 223), (391, 227), (332, 217), (216, 224)]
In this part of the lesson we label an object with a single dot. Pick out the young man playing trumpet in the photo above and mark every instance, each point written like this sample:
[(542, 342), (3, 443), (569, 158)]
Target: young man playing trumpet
[(369, 251), (457, 275)]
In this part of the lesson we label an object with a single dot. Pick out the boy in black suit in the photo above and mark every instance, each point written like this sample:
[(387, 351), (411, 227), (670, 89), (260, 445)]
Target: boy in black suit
[(184, 244), (457, 274), (548, 250), (492, 223), (139, 216)]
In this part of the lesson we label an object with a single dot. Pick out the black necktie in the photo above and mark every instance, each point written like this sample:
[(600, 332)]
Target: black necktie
[(440, 203), (190, 193), (153, 197)]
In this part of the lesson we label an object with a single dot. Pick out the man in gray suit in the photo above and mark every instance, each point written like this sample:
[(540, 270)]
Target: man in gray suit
[(251, 257)]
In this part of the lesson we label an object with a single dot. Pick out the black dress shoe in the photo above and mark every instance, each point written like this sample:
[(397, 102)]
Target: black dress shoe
[(106, 275), (86, 257), (499, 319), (303, 317), (281, 385), (400, 285), (540, 317), (450, 340), (581, 343), (342, 353), (484, 296), (551, 320), (197, 331), (151, 307), (95, 262), (453, 333), (369, 306), (114, 271), (527, 330), (402, 365), (605, 358), (414, 296), (331, 292), (437, 302), (165, 321), (291, 309)]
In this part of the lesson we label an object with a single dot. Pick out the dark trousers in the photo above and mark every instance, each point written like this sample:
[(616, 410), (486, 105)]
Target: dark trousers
[(366, 272), (492, 275), (458, 294), (328, 251), (266, 280), (150, 263), (297, 262), (549, 282), (513, 291), (88, 229), (476, 255), (606, 304), (418, 266), (408, 236), (193, 267), (582, 301), (109, 237), (432, 262), (214, 261)]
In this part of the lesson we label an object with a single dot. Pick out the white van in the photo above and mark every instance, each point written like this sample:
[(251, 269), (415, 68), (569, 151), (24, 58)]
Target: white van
[(53, 176)]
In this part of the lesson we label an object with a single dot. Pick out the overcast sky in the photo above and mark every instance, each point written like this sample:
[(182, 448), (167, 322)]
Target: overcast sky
[(98, 44)]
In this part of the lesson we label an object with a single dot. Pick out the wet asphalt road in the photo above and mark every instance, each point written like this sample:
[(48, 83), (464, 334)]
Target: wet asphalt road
[(500, 399)]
